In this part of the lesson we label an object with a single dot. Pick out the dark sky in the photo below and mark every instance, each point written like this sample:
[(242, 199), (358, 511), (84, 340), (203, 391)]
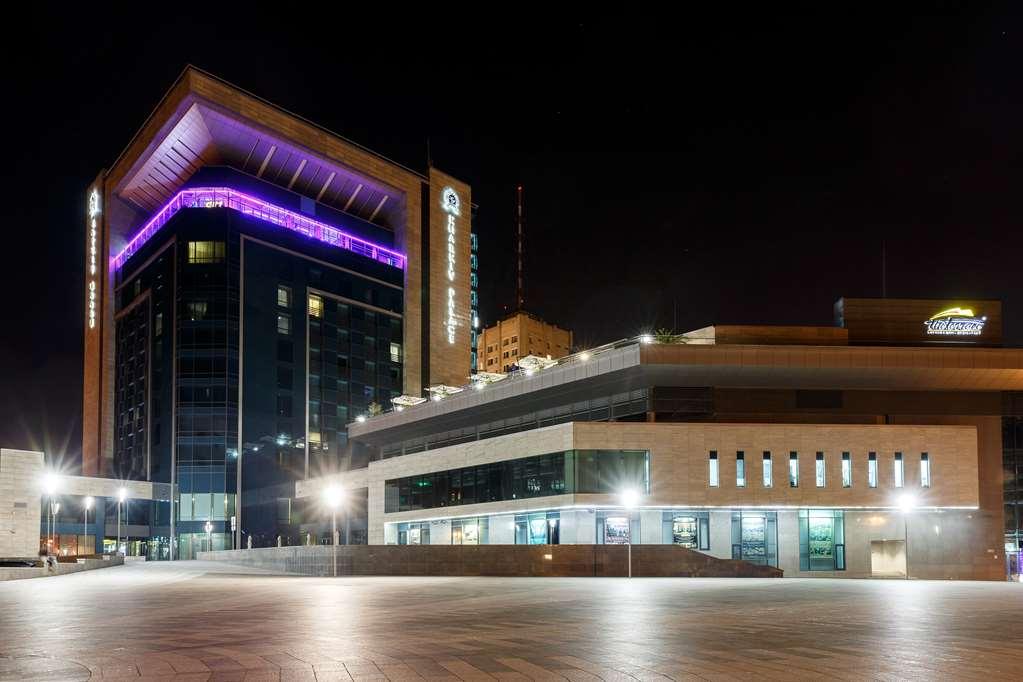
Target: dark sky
[(733, 168)]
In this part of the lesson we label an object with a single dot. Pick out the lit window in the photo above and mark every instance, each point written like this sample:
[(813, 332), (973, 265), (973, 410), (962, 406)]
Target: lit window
[(395, 352), (283, 296), (740, 469), (925, 470), (846, 470), (872, 470), (205, 252), (713, 472), (900, 471), (315, 306), (768, 473), (196, 310), (283, 324), (793, 470), (820, 472)]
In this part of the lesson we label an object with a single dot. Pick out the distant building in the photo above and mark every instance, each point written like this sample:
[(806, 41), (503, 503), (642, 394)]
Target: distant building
[(874, 447), (520, 335)]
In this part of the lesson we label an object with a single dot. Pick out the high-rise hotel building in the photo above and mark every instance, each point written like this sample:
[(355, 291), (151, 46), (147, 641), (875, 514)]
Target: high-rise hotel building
[(254, 283)]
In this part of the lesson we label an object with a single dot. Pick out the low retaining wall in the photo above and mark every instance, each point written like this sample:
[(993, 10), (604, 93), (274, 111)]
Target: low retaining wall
[(60, 568), (493, 560)]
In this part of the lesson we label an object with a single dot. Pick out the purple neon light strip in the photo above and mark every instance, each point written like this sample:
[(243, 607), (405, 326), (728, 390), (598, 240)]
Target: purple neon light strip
[(224, 197)]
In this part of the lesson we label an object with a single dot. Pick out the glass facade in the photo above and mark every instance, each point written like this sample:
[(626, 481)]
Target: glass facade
[(185, 346), (558, 473), (1012, 475), (821, 540)]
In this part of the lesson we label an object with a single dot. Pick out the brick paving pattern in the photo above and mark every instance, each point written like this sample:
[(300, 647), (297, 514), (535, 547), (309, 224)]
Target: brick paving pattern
[(196, 621)]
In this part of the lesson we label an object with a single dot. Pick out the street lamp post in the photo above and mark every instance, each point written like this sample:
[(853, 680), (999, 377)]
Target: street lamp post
[(85, 526), (209, 536), (54, 509), (122, 495), (907, 503), (50, 484), (629, 500), (333, 496)]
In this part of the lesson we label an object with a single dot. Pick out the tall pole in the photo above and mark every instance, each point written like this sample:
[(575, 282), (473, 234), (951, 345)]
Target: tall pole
[(117, 548), (905, 531), (520, 299), (333, 530), (630, 545)]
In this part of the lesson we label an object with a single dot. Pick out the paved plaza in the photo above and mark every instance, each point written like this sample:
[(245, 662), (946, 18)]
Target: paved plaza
[(196, 621)]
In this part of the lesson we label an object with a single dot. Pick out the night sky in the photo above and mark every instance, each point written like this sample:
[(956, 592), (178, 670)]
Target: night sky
[(713, 169)]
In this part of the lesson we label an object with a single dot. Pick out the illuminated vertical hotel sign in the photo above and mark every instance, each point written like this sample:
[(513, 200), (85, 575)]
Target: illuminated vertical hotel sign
[(452, 206), (93, 258)]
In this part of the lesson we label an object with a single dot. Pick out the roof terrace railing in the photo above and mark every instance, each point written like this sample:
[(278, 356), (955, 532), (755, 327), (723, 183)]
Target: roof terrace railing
[(517, 375), (225, 197)]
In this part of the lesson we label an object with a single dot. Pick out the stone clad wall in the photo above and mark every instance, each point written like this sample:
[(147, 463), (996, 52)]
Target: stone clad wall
[(493, 560), (20, 502)]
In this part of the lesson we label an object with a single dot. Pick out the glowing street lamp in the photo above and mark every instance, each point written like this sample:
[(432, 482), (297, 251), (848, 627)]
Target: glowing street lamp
[(907, 503), (209, 536), (629, 498), (333, 496)]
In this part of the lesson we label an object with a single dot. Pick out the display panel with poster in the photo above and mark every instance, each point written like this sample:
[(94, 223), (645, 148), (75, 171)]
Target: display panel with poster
[(616, 530), (684, 531)]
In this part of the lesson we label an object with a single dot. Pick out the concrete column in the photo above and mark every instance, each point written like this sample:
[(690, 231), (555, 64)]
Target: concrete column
[(721, 534), (651, 532), (788, 541), (440, 532), (502, 530)]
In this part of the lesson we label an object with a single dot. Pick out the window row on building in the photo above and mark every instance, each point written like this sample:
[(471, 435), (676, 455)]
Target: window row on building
[(743, 478), (557, 473), (753, 535)]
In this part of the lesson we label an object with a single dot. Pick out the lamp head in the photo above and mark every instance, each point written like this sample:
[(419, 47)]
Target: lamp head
[(907, 502), (50, 482), (333, 496), (89, 501), (122, 494), (630, 498)]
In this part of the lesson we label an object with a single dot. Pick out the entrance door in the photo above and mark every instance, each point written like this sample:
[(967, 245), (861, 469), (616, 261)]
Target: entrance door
[(888, 558)]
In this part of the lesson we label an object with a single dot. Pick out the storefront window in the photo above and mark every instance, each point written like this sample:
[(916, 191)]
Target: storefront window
[(689, 529), (755, 537), (538, 529), (821, 540), (616, 530)]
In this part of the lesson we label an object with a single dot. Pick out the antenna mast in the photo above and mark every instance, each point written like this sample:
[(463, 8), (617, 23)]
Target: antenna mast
[(519, 219)]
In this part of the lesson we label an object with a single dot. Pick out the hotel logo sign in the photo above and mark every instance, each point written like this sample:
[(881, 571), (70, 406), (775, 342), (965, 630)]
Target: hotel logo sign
[(955, 322), (451, 205), (92, 257)]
